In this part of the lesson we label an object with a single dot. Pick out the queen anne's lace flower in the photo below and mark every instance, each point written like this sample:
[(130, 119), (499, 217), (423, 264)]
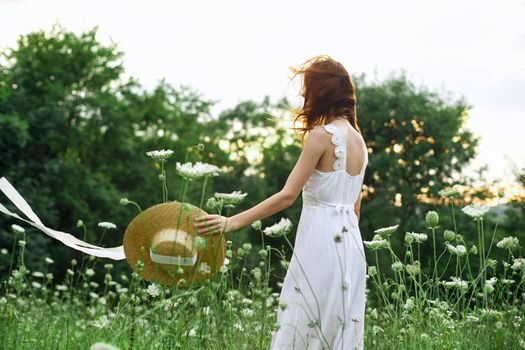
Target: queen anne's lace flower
[(377, 244), (153, 290), (418, 237), (475, 210), (107, 225), (279, 229), (102, 322), (456, 282), (508, 243), (386, 231), (162, 154), (197, 170), (459, 250), (518, 264), (231, 199)]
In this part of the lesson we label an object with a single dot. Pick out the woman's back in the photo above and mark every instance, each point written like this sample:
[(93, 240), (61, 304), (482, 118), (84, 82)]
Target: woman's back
[(338, 178)]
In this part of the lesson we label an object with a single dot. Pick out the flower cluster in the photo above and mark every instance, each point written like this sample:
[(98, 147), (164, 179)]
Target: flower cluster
[(413, 236), (197, 170), (107, 225), (475, 210), (458, 250), (279, 229), (386, 231), (230, 199), (378, 242), (508, 243), (162, 154), (457, 283)]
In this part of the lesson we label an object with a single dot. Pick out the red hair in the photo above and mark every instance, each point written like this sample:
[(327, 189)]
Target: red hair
[(327, 90)]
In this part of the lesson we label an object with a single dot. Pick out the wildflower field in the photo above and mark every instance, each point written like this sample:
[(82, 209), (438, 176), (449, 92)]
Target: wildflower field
[(410, 304)]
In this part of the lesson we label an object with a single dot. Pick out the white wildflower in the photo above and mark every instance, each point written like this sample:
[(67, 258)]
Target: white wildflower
[(36, 285), (475, 210), (107, 225), (161, 154), (508, 243), (61, 287), (231, 199), (377, 243), (197, 170), (492, 280), (281, 228), (418, 237), (459, 250), (409, 304), (38, 274), (153, 290), (3, 251), (192, 332), (90, 272), (102, 322), (247, 312), (17, 229), (518, 264), (102, 346), (386, 231), (376, 329), (472, 318), (456, 282), (49, 261)]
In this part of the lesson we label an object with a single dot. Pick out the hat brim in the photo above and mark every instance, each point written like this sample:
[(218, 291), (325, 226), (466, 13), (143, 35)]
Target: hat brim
[(178, 216)]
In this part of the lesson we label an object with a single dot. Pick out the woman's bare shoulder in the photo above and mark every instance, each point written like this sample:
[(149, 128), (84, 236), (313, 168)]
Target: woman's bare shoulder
[(318, 136)]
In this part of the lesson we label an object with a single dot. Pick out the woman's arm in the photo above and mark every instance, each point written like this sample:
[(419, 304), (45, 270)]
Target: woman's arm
[(314, 147)]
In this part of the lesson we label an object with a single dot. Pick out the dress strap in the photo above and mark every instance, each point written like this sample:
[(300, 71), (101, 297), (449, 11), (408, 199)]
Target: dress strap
[(339, 141)]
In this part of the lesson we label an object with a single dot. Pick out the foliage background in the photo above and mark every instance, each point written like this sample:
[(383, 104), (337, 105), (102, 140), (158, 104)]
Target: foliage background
[(74, 129)]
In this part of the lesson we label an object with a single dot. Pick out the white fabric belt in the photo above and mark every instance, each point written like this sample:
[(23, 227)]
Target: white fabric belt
[(309, 202), (115, 253), (173, 260)]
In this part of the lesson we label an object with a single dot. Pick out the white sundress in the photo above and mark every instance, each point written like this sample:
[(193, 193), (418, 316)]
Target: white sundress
[(322, 301)]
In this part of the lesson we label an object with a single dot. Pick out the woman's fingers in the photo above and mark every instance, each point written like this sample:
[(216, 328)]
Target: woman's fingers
[(205, 220), (208, 224)]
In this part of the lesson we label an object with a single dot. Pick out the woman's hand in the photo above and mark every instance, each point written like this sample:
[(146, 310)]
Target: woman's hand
[(213, 223)]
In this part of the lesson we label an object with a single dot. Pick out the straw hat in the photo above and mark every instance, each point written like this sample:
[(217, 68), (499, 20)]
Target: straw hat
[(164, 238)]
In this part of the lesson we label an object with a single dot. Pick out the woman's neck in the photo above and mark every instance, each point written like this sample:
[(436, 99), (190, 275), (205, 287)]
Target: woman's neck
[(330, 119)]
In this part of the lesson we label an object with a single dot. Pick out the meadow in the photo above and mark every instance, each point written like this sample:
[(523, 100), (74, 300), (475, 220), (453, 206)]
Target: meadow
[(414, 304)]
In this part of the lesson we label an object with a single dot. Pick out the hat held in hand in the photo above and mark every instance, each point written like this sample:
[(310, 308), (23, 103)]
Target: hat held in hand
[(164, 238)]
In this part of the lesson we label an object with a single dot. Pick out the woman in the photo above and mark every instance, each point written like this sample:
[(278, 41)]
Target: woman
[(322, 300)]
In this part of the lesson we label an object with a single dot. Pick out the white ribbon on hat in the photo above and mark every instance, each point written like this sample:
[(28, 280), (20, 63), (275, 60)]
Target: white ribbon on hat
[(173, 260), (115, 253)]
